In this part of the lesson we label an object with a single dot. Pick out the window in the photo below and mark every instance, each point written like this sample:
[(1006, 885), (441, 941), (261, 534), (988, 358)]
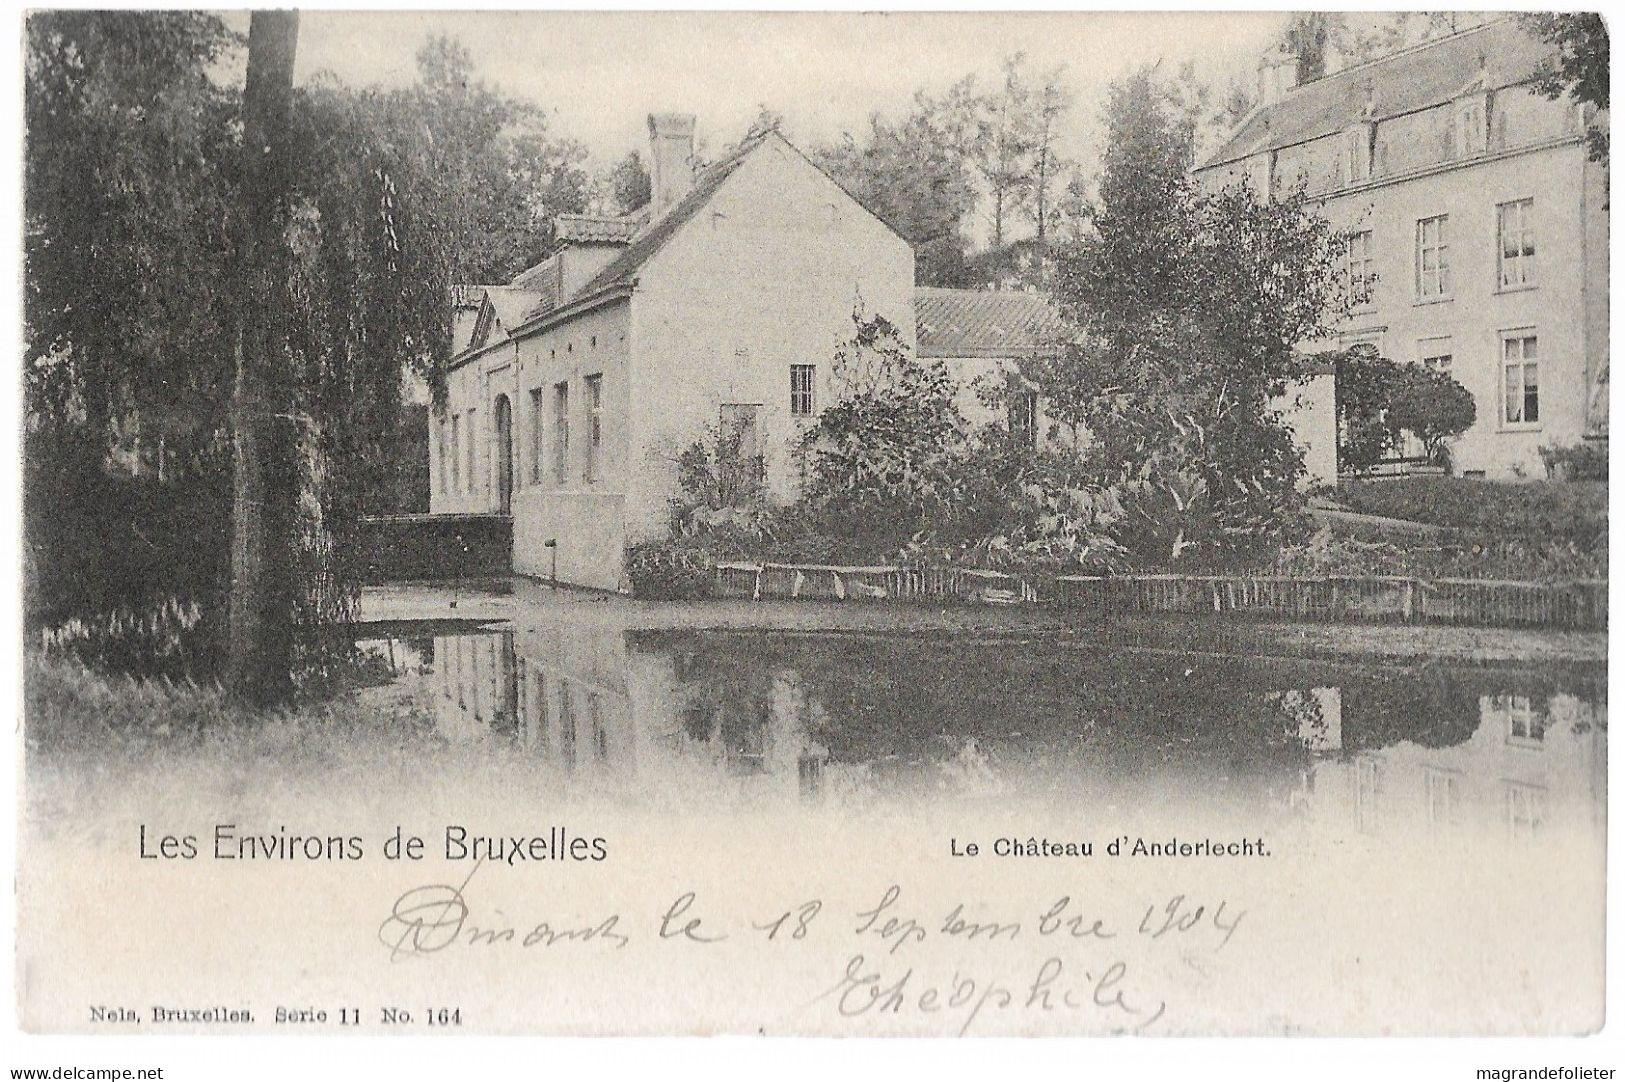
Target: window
[(1436, 354), (1521, 379), (1023, 418), (472, 445), (1357, 152), (801, 389), (1433, 257), (1515, 227), (1526, 723), (1362, 269), (536, 408), (561, 432), (567, 726), (456, 453), (1470, 128), (595, 719), (595, 427), (1526, 809)]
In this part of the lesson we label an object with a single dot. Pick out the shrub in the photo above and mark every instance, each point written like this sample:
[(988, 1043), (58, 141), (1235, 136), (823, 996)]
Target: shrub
[(1577, 462), (881, 455), (1379, 400), (1432, 407), (671, 569), (719, 480)]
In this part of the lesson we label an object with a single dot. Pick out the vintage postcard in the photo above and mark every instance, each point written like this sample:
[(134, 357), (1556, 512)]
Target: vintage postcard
[(837, 524)]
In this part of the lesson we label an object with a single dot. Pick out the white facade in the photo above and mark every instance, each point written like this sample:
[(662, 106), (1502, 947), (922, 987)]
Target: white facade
[(758, 269), (1478, 230)]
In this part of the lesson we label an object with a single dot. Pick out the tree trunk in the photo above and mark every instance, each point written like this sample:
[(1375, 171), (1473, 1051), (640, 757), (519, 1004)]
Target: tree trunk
[(260, 642)]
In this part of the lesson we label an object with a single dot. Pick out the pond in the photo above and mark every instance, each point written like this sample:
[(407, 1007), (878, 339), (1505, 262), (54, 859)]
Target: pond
[(807, 718), (1350, 846)]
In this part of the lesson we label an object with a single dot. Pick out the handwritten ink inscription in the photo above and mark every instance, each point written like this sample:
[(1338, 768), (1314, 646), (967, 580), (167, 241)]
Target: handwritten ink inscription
[(893, 960)]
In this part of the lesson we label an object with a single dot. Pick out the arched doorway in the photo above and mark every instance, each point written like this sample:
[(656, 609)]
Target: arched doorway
[(504, 437)]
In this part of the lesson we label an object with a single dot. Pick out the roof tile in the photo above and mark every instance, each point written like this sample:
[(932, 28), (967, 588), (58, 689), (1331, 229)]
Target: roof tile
[(980, 323)]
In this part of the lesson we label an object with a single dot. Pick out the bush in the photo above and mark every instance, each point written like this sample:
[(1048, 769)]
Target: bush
[(671, 569), (1432, 407), (1578, 462), (1379, 400), (881, 457), (96, 540)]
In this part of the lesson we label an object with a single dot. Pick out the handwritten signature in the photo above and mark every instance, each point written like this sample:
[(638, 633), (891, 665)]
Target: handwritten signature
[(865, 990), (429, 919)]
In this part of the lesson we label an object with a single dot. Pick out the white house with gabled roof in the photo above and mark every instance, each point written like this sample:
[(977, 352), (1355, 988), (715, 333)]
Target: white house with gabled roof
[(722, 302)]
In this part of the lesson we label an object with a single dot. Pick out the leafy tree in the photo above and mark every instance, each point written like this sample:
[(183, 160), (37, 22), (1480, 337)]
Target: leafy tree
[(128, 173), (1357, 37), (1191, 306), (1004, 157), (141, 202), (1379, 400), (1365, 383), (915, 175), (1052, 100), (1308, 33), (497, 175), (628, 184), (1432, 407), (1580, 68), (1144, 203)]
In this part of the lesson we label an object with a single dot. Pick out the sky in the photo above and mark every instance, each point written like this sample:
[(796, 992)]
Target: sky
[(599, 74)]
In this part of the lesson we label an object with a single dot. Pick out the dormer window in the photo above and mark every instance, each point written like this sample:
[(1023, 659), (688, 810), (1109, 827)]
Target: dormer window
[(1471, 127), (1357, 154)]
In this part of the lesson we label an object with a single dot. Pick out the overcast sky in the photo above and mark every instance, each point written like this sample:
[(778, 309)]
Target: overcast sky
[(599, 74)]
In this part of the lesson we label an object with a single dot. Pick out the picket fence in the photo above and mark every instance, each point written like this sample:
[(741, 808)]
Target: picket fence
[(1580, 605)]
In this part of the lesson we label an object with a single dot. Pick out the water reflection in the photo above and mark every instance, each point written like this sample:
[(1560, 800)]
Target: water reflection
[(1369, 753)]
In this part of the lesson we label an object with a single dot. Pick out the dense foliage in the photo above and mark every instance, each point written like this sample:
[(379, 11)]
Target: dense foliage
[(1579, 70), (880, 458), (1586, 461), (972, 155), (1379, 401), (133, 296), (1191, 305)]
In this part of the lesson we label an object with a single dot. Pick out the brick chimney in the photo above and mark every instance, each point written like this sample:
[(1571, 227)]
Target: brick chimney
[(671, 158)]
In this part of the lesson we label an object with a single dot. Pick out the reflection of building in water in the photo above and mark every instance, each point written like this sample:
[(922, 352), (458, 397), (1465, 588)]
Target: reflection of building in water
[(1532, 763), (474, 685), (1380, 754), (578, 699)]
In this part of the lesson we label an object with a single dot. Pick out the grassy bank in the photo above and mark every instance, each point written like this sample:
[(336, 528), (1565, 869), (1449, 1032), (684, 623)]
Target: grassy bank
[(1538, 532)]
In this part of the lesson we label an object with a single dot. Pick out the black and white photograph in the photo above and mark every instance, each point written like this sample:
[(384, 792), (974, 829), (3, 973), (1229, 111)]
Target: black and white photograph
[(818, 524)]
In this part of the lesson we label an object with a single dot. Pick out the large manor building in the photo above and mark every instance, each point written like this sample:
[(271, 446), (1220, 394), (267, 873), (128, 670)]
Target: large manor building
[(1478, 227)]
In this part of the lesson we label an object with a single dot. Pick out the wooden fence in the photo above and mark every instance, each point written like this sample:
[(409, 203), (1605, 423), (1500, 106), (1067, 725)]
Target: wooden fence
[(1575, 605)]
